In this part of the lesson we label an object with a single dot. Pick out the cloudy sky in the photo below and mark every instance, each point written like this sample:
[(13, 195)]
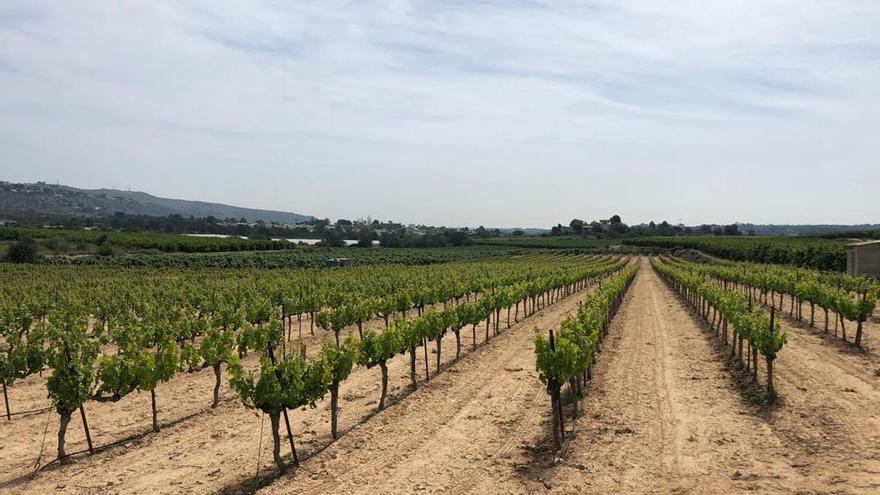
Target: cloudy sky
[(499, 112)]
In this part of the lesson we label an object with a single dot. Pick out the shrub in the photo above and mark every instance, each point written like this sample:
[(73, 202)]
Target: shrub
[(23, 251)]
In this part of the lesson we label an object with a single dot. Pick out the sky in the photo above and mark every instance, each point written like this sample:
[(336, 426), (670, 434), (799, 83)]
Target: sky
[(495, 112)]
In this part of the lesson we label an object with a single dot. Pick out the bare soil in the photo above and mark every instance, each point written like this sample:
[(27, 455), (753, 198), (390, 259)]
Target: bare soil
[(454, 435), (198, 450), (665, 413)]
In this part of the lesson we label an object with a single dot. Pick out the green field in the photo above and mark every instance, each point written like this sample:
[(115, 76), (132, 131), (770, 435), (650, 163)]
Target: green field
[(304, 257), (820, 254)]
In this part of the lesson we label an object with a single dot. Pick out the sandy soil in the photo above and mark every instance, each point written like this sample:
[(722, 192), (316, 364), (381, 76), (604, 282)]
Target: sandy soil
[(665, 415), (199, 450), (127, 421), (453, 435), (829, 414)]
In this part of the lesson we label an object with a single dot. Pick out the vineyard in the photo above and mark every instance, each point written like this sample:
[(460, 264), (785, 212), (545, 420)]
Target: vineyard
[(279, 377), (135, 331), (819, 254), (305, 257)]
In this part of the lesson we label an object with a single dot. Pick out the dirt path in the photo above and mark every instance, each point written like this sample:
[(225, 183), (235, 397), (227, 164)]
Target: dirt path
[(460, 433), (662, 415)]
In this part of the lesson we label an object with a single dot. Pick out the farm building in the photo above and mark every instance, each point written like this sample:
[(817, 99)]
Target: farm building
[(863, 258)]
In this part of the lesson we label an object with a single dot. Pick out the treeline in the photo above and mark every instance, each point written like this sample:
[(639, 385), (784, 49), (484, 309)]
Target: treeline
[(171, 224), (436, 238), (614, 227), (103, 243)]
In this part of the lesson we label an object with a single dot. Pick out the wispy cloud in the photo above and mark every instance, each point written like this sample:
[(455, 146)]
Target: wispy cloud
[(259, 92)]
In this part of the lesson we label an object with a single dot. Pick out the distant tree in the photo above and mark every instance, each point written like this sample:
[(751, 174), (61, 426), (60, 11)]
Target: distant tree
[(615, 220), (366, 237), (387, 239), (320, 225), (333, 238), (457, 237), (752, 232), (23, 251), (577, 226), (517, 233), (664, 229), (482, 232), (705, 229), (717, 231), (731, 229), (620, 228)]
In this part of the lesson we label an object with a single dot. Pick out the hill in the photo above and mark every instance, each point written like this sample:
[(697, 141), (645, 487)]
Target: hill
[(60, 200)]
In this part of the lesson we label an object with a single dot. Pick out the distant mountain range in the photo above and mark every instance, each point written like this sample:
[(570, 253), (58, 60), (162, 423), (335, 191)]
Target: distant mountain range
[(59, 200)]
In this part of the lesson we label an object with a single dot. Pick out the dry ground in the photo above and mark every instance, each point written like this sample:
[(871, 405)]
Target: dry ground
[(198, 450), (664, 414)]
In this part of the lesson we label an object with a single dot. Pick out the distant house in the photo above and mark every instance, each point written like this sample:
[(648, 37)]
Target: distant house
[(7, 223), (863, 258)]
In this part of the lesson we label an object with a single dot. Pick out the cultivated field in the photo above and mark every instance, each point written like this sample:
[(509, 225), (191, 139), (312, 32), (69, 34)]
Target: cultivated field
[(656, 379)]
